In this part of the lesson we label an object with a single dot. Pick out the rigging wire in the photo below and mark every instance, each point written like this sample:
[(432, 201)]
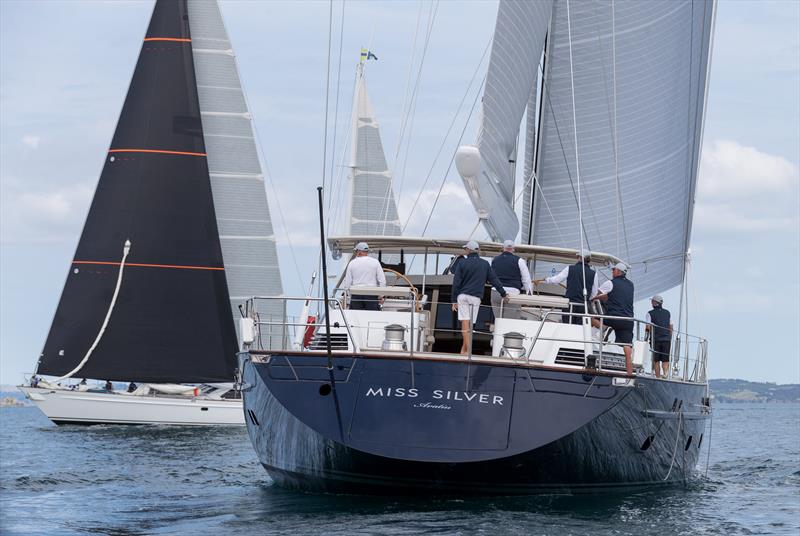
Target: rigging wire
[(325, 129), (414, 97), (408, 81), (577, 163), (620, 209), (452, 158), (336, 106), (447, 134)]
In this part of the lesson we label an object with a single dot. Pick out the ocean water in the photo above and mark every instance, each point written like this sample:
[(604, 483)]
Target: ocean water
[(169, 480)]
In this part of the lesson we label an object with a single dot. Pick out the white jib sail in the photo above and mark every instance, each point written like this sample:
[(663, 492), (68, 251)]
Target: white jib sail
[(516, 48), (373, 210), (640, 70), (240, 201)]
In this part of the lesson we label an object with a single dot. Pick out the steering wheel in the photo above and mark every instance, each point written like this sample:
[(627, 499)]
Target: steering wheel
[(410, 284)]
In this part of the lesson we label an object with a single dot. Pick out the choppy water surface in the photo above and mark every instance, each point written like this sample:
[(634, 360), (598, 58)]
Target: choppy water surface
[(170, 480)]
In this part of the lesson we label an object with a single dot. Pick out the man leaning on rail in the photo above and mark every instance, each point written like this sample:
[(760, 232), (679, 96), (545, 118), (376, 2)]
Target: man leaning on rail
[(513, 273), (618, 295), (578, 276), (470, 279)]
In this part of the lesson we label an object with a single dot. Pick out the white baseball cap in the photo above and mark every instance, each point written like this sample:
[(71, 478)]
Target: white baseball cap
[(362, 246), (621, 267), (657, 298), (472, 245), (508, 244)]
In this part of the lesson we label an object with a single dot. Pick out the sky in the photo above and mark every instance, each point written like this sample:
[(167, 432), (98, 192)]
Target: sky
[(65, 67)]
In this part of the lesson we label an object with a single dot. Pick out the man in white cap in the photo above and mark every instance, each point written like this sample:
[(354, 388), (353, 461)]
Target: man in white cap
[(363, 271), (513, 273), (469, 282), (578, 276), (660, 336), (618, 295)]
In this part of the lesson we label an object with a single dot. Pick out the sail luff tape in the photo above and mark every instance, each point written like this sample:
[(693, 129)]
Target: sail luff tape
[(125, 251)]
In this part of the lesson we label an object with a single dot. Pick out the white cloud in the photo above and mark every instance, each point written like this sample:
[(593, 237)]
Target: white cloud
[(31, 141), (728, 169), (730, 217), (43, 216), (743, 189), (453, 216)]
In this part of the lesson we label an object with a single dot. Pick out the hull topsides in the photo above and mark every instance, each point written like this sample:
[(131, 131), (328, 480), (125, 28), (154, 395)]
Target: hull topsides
[(388, 425), (63, 406)]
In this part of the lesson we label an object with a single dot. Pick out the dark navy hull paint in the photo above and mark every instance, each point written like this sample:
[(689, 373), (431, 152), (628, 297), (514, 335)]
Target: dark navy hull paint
[(534, 430)]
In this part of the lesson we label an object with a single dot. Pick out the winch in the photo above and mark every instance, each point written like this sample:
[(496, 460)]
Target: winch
[(394, 338)]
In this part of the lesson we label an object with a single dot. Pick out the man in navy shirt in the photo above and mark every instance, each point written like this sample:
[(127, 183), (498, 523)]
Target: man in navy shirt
[(618, 295), (471, 276), (660, 336)]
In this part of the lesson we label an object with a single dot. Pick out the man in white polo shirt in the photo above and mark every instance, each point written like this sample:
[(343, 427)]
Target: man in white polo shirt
[(363, 271)]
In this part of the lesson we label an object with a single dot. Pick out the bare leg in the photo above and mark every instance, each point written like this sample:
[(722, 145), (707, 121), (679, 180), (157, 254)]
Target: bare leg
[(466, 334), (665, 369), (656, 368), (628, 359)]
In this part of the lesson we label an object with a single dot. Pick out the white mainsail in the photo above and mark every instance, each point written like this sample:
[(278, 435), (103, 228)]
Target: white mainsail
[(373, 210), (640, 71), (516, 48), (240, 202)]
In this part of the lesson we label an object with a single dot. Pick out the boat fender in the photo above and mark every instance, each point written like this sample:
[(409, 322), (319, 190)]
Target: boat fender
[(310, 325)]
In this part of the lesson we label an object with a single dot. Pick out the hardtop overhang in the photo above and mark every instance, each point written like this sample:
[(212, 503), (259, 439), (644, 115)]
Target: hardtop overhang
[(420, 246)]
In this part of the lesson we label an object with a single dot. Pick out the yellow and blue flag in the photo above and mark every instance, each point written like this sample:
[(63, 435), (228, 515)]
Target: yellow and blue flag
[(367, 55)]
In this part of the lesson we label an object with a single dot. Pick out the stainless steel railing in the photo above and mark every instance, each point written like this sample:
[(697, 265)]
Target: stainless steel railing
[(277, 329)]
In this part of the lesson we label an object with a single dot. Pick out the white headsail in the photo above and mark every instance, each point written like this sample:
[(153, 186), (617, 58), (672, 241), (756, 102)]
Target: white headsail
[(373, 210), (488, 172), (639, 70), (240, 202)]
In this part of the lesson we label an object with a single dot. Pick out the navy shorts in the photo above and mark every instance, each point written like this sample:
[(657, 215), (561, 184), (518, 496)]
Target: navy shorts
[(661, 350), (623, 329)]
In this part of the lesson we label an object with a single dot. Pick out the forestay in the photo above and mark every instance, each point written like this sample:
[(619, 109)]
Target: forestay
[(640, 71)]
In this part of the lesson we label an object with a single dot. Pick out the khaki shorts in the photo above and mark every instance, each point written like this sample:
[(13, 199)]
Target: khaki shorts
[(468, 307)]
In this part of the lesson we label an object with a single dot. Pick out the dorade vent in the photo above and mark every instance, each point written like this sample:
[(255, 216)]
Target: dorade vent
[(320, 342), (570, 356)]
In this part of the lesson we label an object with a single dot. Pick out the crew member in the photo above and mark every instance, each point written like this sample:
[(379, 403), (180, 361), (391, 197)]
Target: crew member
[(618, 295), (660, 336), (578, 276), (363, 271), (513, 273), (469, 281)]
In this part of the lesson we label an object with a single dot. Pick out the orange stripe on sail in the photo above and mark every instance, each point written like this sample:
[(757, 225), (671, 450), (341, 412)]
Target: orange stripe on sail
[(178, 39), (154, 151), (152, 265)]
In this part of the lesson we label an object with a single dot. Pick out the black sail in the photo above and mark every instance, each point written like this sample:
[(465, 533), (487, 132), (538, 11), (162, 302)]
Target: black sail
[(172, 321)]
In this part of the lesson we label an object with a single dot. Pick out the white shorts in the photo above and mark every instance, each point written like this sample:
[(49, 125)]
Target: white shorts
[(468, 307)]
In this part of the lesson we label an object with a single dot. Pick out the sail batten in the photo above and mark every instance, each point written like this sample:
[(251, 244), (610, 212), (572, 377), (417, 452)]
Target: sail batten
[(249, 247)]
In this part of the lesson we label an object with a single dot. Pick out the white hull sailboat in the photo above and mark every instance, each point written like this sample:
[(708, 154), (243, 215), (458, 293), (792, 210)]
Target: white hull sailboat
[(65, 406), (165, 257)]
